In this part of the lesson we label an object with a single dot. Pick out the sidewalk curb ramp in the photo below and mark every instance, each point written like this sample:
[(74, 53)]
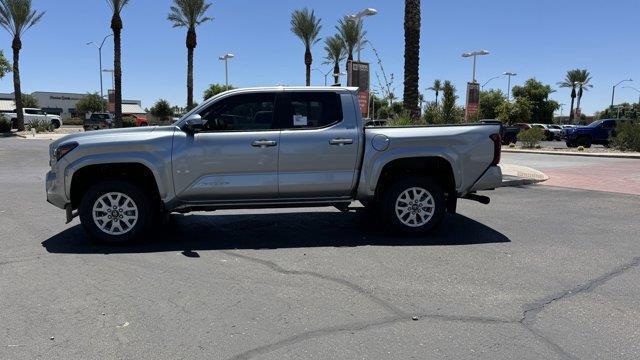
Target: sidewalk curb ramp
[(517, 175), (575, 153)]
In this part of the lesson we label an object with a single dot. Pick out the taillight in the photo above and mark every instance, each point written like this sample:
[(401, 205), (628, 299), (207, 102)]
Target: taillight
[(497, 148)]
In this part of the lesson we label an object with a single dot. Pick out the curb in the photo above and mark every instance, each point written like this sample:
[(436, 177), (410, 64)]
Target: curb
[(568, 153), (509, 181)]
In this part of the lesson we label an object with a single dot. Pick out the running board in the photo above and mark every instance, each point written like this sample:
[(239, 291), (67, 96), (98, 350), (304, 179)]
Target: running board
[(479, 198)]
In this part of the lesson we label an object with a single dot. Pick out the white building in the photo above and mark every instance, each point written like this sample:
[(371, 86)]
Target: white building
[(64, 104)]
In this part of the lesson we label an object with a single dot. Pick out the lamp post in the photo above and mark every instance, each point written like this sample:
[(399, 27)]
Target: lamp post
[(509, 74), (475, 54), (486, 82), (100, 61), (613, 92), (632, 88), (359, 16), (226, 58), (323, 74)]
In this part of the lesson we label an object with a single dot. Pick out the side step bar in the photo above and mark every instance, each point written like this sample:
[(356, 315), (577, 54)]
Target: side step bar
[(479, 198)]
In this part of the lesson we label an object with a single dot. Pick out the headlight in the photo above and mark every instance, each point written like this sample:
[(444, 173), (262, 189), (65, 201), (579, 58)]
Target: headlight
[(64, 149)]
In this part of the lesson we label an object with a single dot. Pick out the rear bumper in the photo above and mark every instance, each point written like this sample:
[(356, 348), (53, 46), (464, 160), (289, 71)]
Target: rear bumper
[(491, 179)]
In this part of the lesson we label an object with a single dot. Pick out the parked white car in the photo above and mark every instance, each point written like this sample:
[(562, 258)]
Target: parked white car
[(33, 114)]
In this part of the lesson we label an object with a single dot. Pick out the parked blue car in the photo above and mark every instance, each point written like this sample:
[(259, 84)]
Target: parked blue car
[(598, 132)]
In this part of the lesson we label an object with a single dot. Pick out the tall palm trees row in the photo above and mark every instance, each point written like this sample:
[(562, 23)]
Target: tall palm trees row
[(350, 34), (17, 16), (578, 81)]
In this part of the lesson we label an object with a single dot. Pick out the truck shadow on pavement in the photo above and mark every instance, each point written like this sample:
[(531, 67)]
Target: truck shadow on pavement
[(188, 233)]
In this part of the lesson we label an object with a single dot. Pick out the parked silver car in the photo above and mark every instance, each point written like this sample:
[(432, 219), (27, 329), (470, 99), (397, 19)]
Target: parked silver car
[(270, 147)]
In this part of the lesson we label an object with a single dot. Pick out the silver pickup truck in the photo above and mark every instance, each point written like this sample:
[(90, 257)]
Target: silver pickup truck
[(270, 147)]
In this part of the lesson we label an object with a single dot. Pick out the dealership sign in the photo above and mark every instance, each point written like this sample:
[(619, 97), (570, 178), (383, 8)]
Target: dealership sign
[(473, 101), (358, 76)]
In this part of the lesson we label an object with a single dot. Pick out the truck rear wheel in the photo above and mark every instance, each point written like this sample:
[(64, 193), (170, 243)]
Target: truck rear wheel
[(115, 212), (414, 204)]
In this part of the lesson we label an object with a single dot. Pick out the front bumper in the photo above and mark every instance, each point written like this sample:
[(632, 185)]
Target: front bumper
[(55, 190)]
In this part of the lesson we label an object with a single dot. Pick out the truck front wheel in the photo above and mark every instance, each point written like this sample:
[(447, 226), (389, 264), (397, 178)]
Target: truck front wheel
[(414, 204), (115, 211)]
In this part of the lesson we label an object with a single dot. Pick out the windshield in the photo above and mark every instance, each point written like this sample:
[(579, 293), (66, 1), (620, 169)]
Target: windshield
[(595, 123)]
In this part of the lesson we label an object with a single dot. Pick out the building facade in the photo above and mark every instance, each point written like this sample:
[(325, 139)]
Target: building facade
[(64, 104)]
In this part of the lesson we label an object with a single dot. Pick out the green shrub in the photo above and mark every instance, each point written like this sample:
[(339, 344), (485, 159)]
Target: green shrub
[(402, 119), (128, 122), (531, 137), (40, 126), (73, 121), (628, 137), (5, 125)]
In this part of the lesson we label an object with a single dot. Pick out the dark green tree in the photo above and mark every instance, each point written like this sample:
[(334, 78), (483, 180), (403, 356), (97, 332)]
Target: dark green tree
[(162, 110), (352, 34), (215, 89), (29, 101), (411, 57), (537, 93), (515, 111), (450, 113), (17, 16), (306, 27), (571, 81), (90, 103), (189, 14), (5, 65), (116, 27), (489, 103), (436, 88), (584, 77), (334, 46)]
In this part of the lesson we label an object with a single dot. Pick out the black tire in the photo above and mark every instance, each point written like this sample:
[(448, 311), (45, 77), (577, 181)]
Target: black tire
[(570, 144), (14, 123), (584, 141), (396, 190), (142, 200), (55, 123)]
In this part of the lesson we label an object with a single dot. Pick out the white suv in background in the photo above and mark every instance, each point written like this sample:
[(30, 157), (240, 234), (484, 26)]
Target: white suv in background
[(33, 114)]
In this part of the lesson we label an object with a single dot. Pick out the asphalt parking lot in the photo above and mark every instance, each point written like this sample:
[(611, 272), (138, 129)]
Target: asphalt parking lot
[(542, 272)]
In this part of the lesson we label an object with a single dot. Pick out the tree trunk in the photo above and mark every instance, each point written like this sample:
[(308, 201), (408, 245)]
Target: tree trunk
[(116, 26), (436, 97), (17, 89), (579, 98), (411, 57), (308, 60), (336, 73), (349, 58), (192, 42), (573, 98)]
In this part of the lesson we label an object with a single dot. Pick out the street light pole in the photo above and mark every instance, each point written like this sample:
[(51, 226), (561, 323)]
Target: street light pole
[(613, 92), (509, 74), (100, 62), (486, 82), (632, 88), (226, 58), (359, 16), (475, 54)]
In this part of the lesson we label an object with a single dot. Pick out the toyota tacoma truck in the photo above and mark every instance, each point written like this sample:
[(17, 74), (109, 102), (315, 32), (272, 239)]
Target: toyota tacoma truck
[(270, 147)]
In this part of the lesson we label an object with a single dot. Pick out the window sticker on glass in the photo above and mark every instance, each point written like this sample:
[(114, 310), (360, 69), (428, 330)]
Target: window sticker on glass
[(299, 120)]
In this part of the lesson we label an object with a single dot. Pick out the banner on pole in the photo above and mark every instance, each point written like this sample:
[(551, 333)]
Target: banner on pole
[(358, 76), (472, 107)]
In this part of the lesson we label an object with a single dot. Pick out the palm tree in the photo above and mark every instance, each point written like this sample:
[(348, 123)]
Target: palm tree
[(411, 57), (306, 26), (17, 16), (116, 26), (437, 87), (583, 84), (336, 52), (189, 14), (352, 34), (571, 81)]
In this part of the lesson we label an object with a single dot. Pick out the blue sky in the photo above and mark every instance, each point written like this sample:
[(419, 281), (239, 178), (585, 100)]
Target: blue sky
[(535, 38)]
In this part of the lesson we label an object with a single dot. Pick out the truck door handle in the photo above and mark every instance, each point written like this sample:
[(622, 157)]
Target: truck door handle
[(341, 141), (264, 143)]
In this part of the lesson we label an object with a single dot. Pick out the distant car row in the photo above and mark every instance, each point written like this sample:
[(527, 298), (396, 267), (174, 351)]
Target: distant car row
[(99, 121), (598, 132)]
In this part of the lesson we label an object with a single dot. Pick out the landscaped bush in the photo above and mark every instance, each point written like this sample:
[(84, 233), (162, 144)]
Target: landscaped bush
[(128, 122), (531, 137), (627, 138), (5, 125), (73, 121), (40, 126)]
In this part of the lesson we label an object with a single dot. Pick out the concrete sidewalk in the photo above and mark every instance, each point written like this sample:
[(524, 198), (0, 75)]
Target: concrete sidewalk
[(616, 155), (517, 175)]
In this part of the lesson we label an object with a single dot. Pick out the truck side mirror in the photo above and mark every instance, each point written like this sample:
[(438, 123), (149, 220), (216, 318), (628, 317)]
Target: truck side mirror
[(194, 124)]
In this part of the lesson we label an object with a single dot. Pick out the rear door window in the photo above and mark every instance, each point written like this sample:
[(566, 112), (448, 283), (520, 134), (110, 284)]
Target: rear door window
[(311, 110)]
